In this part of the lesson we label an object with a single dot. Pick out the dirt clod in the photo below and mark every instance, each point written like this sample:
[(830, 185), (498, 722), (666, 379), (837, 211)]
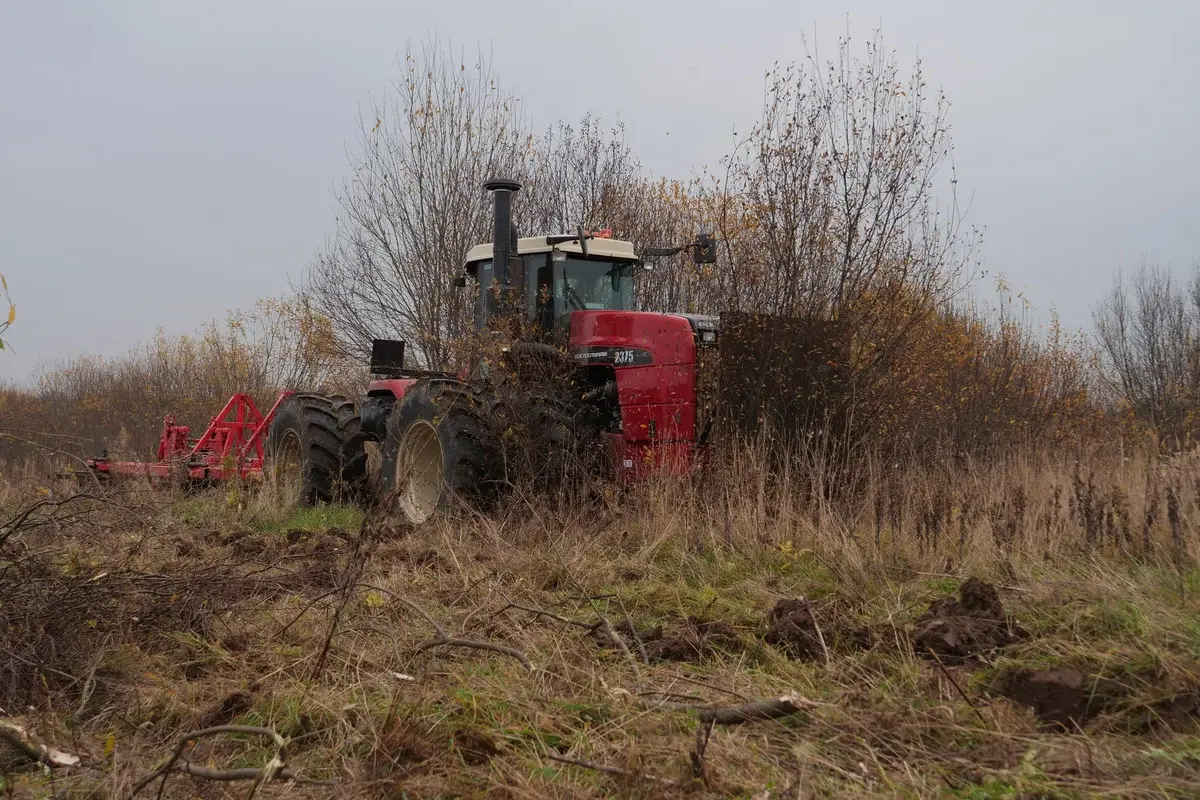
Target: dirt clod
[(233, 706), (1178, 712), (476, 746), (791, 628), (692, 639), (1063, 698), (959, 630)]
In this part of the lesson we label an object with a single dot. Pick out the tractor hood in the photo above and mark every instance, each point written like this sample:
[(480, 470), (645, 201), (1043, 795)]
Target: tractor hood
[(651, 337)]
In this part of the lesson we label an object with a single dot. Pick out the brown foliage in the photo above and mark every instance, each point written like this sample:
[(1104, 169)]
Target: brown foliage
[(85, 404)]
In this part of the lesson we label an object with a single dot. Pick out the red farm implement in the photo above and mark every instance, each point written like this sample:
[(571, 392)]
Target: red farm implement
[(231, 445)]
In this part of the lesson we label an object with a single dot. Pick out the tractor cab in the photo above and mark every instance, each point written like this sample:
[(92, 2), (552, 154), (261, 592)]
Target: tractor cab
[(549, 277), (542, 280)]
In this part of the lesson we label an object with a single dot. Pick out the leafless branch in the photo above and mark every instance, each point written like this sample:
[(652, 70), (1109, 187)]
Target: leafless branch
[(541, 612), (602, 624), (756, 710), (443, 639), (275, 769), (616, 639), (70, 437), (22, 516), (476, 644), (579, 762), (637, 637), (39, 753)]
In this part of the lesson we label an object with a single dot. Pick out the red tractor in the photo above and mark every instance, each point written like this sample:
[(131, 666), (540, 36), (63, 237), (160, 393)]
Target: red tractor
[(570, 360), (567, 376)]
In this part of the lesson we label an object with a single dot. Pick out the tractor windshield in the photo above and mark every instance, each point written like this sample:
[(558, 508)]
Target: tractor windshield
[(588, 285)]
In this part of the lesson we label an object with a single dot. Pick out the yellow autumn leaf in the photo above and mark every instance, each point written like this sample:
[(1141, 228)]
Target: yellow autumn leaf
[(110, 744), (12, 314), (3, 281)]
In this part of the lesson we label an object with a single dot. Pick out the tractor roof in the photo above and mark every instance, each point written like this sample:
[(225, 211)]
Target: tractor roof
[(603, 248)]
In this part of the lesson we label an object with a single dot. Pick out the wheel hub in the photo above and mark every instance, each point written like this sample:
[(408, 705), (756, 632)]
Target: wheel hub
[(419, 468)]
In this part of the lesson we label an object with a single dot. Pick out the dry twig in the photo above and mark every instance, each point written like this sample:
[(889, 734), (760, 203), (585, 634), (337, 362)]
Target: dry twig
[(579, 762), (957, 688), (22, 516), (443, 639), (607, 627), (19, 738), (755, 710), (601, 624), (88, 470), (275, 769), (817, 627)]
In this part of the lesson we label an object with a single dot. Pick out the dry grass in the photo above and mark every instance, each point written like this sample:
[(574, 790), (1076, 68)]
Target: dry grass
[(133, 618)]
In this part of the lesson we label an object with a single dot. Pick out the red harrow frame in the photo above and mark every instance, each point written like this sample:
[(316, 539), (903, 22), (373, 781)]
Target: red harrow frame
[(231, 445)]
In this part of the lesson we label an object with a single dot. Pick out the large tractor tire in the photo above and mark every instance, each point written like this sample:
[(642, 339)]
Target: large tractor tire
[(563, 448), (315, 449), (440, 450)]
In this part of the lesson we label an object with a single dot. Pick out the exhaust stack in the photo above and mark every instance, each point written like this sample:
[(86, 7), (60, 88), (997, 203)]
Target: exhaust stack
[(504, 240)]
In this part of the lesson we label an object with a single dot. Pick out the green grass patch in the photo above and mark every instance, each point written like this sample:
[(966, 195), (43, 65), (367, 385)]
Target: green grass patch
[(313, 518)]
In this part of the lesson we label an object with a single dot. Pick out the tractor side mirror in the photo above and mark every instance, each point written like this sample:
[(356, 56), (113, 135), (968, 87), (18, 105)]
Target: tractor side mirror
[(460, 281), (705, 249)]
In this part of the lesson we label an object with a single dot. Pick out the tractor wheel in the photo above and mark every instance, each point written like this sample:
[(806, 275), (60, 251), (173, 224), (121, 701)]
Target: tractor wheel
[(564, 447), (315, 449), (354, 472), (439, 450)]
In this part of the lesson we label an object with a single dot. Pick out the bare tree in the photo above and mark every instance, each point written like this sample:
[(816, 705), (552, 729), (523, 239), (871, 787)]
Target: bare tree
[(1149, 335), (414, 203), (839, 207), (579, 174)]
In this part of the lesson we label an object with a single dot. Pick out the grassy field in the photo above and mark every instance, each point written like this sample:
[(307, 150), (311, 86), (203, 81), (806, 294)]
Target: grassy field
[(580, 651)]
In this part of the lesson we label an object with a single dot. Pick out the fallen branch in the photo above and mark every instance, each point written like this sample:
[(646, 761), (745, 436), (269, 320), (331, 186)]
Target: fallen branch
[(244, 774), (637, 637), (13, 525), (756, 710), (275, 769), (601, 624), (443, 639), (19, 738), (624, 773), (775, 708), (541, 612), (607, 627), (450, 641)]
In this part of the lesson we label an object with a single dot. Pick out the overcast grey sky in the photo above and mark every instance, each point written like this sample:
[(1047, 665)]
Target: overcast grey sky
[(161, 161)]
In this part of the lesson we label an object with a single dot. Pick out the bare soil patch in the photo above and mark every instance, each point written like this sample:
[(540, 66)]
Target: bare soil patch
[(959, 630)]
